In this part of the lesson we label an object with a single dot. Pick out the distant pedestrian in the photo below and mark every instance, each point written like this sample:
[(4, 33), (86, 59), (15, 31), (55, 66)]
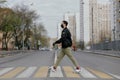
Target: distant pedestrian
[(66, 42)]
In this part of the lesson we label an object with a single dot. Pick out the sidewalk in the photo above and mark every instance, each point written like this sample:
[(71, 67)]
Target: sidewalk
[(104, 52), (11, 53)]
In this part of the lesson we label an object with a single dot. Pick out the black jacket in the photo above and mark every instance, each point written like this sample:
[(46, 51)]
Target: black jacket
[(65, 39)]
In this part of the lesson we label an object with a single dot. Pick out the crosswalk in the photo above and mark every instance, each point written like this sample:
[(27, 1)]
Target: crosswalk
[(62, 71)]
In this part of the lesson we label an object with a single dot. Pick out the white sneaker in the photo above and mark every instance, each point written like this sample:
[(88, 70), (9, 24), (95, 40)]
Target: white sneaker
[(77, 70), (52, 69)]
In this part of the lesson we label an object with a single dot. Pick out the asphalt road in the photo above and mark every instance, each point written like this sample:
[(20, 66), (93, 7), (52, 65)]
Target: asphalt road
[(34, 66)]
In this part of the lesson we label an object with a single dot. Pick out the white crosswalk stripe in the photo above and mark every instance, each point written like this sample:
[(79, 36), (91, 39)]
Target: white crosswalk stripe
[(116, 76), (5, 70), (86, 74), (27, 73), (58, 73)]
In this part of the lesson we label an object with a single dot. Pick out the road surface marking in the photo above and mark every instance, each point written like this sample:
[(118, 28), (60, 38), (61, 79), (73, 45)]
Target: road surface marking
[(70, 73), (58, 73), (100, 74), (116, 76), (42, 72), (13, 72), (86, 74), (5, 71), (27, 73)]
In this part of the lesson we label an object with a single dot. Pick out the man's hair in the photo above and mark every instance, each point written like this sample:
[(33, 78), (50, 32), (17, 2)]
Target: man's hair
[(65, 22)]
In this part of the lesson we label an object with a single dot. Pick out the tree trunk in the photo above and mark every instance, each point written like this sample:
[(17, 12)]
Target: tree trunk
[(4, 42), (17, 43)]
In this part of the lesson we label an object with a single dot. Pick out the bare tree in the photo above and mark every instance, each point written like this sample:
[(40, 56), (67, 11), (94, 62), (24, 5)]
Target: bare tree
[(40, 34), (6, 25), (28, 17)]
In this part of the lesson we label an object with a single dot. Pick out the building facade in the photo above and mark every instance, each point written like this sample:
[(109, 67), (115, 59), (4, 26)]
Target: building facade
[(100, 22), (115, 19), (104, 22)]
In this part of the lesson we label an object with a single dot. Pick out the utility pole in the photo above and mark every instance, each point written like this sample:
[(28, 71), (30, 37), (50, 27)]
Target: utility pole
[(82, 24)]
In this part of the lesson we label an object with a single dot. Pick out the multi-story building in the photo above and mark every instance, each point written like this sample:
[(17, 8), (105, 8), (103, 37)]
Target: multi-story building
[(100, 21), (71, 18), (104, 22), (115, 19), (92, 19)]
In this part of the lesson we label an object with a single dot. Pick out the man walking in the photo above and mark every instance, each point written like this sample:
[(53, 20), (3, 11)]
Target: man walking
[(66, 42)]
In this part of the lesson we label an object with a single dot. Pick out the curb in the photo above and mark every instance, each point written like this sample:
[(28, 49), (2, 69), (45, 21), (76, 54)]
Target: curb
[(102, 54), (9, 53)]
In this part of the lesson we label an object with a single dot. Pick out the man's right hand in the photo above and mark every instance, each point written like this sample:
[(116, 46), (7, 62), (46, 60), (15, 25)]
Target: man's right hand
[(53, 44)]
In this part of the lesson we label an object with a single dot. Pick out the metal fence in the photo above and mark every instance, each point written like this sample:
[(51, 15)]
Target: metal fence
[(114, 45)]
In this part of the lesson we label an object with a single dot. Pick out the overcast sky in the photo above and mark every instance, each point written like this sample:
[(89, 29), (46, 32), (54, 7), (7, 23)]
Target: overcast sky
[(51, 11)]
